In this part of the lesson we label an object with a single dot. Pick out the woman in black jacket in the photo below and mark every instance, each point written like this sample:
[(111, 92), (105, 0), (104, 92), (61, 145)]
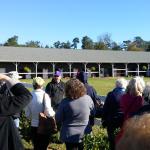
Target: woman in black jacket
[(10, 105)]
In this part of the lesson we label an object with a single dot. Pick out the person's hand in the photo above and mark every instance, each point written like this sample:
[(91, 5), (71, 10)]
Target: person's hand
[(4, 77), (99, 103)]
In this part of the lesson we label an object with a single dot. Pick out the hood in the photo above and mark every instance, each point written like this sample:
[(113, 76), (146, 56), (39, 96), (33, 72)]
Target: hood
[(82, 76)]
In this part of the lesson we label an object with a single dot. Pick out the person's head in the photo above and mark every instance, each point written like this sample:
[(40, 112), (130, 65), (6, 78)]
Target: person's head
[(14, 75), (136, 135), (74, 89), (136, 86), (121, 83), (82, 76), (38, 83), (146, 93), (57, 76)]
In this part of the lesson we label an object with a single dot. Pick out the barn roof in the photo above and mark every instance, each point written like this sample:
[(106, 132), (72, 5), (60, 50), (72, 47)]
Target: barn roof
[(26, 54)]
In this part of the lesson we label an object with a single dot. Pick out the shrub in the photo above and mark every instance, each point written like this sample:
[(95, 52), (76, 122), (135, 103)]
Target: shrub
[(98, 140)]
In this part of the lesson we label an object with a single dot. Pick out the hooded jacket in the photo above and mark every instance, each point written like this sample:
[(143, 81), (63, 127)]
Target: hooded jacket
[(82, 76)]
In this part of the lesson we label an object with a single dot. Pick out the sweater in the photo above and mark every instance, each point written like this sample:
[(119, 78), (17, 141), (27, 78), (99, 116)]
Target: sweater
[(74, 117)]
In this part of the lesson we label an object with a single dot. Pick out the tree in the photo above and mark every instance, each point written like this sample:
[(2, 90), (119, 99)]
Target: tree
[(13, 41), (106, 39), (125, 44), (65, 45), (133, 47), (46, 46), (75, 42), (57, 44), (33, 44), (87, 43), (100, 46), (139, 42), (115, 46), (148, 48)]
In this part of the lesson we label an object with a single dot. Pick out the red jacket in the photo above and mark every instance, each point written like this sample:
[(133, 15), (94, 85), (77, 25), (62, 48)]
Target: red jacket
[(130, 104)]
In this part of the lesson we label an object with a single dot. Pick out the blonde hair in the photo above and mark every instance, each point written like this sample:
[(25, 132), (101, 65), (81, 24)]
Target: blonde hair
[(38, 82), (136, 135), (74, 89), (135, 86)]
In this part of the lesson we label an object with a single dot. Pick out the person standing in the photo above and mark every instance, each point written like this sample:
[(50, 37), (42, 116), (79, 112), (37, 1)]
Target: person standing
[(55, 89), (10, 105), (111, 110), (131, 101), (40, 102), (82, 76), (73, 114), (15, 76)]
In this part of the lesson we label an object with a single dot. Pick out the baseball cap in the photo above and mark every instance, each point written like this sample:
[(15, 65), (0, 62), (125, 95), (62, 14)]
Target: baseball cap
[(57, 73), (14, 75)]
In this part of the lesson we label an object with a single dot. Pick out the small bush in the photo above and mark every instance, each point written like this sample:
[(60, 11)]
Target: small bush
[(98, 140)]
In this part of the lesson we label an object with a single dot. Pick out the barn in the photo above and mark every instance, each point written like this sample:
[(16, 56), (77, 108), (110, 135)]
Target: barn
[(31, 62)]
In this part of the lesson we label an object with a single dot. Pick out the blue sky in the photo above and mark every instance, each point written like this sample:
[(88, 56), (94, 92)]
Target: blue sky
[(51, 20)]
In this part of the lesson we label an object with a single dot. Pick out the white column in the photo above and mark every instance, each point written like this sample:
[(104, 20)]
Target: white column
[(16, 64), (99, 69), (112, 70), (70, 66), (138, 69), (85, 67), (126, 67), (148, 67), (36, 65), (53, 68)]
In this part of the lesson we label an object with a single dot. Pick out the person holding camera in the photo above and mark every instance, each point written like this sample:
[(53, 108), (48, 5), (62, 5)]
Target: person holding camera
[(10, 105)]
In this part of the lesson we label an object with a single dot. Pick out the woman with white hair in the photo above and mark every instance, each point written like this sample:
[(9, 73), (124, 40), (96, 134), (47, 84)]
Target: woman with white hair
[(112, 117), (40, 102), (132, 100)]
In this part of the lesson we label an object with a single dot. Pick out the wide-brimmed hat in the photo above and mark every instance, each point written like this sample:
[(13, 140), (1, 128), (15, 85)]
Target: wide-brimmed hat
[(14, 75)]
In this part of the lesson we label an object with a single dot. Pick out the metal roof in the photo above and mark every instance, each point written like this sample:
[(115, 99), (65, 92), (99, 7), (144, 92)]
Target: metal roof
[(26, 54)]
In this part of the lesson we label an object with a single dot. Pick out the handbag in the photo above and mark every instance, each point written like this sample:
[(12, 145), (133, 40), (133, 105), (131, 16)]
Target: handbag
[(47, 125)]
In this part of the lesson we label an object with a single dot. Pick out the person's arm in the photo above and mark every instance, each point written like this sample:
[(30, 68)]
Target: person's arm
[(48, 109), (14, 104), (48, 89), (59, 114), (95, 97)]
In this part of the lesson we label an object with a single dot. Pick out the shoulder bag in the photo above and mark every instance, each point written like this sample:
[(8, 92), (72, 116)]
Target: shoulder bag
[(47, 125)]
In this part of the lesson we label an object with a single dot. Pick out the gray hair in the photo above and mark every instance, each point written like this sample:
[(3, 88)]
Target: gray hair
[(146, 92), (121, 82)]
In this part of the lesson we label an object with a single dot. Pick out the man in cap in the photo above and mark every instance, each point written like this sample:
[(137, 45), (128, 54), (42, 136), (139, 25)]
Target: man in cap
[(55, 89)]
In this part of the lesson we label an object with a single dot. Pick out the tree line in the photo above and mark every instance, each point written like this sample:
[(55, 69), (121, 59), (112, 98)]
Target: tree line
[(104, 42)]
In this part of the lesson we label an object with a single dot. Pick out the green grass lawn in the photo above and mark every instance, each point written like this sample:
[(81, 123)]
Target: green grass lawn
[(102, 85)]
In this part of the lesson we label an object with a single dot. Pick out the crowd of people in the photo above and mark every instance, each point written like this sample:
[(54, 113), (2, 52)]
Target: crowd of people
[(74, 105)]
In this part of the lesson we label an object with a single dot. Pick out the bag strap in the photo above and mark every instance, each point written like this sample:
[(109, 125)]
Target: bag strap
[(43, 102)]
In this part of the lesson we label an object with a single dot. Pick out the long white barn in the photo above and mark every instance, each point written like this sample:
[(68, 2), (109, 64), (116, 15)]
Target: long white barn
[(44, 61)]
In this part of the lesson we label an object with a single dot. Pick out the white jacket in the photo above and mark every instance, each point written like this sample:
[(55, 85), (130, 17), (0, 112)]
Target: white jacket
[(36, 106)]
